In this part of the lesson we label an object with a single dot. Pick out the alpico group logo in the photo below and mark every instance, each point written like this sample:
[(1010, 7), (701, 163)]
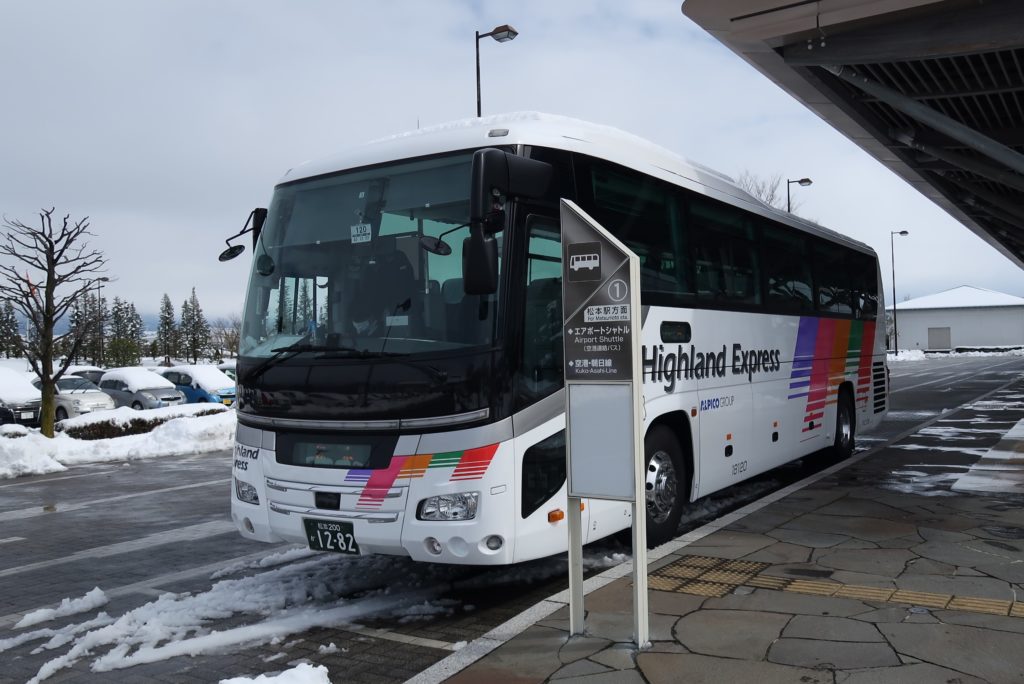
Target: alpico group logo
[(689, 364)]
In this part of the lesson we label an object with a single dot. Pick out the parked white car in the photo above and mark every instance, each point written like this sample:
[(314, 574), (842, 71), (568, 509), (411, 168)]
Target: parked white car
[(77, 396), (19, 396)]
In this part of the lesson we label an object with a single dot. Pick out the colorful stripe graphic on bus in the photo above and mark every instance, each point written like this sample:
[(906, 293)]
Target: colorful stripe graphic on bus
[(470, 464), (829, 350)]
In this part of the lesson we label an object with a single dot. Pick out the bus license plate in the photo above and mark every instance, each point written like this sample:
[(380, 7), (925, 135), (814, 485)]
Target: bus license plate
[(329, 535)]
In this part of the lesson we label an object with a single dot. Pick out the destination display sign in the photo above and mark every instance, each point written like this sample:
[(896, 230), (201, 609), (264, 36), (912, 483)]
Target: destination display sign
[(596, 304)]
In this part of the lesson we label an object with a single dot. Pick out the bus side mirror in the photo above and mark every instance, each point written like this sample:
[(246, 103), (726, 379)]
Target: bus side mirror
[(479, 263), (496, 177)]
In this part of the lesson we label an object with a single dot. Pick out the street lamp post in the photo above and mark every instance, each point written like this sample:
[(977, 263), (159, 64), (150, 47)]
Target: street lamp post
[(892, 253), (502, 34), (803, 182), (99, 315)]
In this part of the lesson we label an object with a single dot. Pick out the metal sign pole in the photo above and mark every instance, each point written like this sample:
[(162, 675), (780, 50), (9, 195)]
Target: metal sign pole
[(641, 631), (603, 394)]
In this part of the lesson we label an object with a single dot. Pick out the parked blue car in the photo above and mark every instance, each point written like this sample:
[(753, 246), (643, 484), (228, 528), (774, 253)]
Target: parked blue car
[(202, 384)]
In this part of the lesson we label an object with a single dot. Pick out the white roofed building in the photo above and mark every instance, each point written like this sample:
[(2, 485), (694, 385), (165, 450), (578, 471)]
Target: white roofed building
[(963, 318)]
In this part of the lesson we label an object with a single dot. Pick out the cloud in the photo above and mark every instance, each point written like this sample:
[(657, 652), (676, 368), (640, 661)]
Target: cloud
[(167, 122)]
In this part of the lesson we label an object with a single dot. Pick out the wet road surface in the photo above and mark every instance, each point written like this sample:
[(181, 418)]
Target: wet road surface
[(139, 530)]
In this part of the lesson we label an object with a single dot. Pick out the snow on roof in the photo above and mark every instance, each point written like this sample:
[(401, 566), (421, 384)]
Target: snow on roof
[(559, 132), (15, 387), (209, 377), (963, 297), (138, 378)]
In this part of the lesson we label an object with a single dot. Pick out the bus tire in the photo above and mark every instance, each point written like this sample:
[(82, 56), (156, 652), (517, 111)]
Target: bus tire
[(846, 426), (664, 488)]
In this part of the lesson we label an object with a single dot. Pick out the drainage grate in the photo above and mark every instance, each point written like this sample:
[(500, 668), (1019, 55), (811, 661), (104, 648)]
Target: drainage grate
[(716, 577)]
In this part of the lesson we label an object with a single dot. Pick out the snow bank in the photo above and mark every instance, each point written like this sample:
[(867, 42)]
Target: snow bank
[(33, 454), (303, 673), (907, 355)]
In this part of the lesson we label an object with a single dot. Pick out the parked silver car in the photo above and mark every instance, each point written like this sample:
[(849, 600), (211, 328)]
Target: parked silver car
[(140, 388), (77, 396)]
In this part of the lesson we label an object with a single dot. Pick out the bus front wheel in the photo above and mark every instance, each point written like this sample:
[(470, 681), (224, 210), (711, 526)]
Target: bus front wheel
[(664, 483)]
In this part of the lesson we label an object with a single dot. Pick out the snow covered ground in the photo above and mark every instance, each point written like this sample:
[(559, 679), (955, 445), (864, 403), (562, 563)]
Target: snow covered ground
[(919, 355), (24, 451)]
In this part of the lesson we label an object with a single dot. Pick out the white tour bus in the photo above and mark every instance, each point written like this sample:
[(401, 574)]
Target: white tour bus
[(400, 384)]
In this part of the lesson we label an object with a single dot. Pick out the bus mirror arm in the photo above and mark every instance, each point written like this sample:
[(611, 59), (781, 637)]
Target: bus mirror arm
[(256, 218)]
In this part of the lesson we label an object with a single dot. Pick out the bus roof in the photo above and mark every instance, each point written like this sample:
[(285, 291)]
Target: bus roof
[(564, 133)]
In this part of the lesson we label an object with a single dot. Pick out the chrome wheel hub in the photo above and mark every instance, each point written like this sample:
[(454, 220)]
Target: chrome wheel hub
[(660, 488)]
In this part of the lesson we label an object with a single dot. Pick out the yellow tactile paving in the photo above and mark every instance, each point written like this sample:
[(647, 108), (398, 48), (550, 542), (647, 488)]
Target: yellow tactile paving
[(709, 576), (855, 591), (683, 571), (663, 583), (813, 587), (768, 582), (921, 598), (726, 576), (743, 566), (980, 605), (706, 588)]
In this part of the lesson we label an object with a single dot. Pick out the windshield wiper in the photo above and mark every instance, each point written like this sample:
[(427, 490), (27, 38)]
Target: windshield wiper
[(328, 351)]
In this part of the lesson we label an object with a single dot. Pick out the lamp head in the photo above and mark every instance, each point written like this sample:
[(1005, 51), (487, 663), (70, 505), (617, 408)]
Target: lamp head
[(804, 182), (504, 33)]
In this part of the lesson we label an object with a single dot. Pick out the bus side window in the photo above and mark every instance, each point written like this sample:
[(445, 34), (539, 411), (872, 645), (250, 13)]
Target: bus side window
[(724, 252), (787, 270), (832, 278)]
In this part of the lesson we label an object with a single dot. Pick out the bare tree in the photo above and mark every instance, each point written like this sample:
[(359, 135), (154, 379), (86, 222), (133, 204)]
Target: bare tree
[(57, 268), (765, 189), (225, 334)]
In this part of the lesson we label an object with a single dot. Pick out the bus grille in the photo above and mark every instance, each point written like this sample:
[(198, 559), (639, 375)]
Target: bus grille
[(878, 378)]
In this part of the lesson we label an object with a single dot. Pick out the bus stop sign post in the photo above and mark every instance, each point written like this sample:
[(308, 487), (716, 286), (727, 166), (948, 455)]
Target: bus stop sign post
[(603, 394)]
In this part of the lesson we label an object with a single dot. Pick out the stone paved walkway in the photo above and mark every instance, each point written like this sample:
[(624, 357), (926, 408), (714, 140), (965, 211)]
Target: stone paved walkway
[(935, 561)]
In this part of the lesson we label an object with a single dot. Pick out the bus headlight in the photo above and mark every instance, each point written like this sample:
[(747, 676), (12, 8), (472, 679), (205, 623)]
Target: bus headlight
[(246, 492), (449, 507)]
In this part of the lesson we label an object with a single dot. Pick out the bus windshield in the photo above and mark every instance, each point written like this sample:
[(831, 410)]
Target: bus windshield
[(339, 267)]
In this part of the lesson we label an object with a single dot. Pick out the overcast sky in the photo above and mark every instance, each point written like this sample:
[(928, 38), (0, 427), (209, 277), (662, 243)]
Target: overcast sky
[(166, 122)]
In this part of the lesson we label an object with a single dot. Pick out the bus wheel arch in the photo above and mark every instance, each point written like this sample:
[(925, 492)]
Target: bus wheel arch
[(668, 454)]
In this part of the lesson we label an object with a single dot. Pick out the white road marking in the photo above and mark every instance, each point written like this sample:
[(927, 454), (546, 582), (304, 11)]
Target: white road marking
[(182, 534), (1000, 469), (105, 471), (11, 539), (401, 638), (36, 511)]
